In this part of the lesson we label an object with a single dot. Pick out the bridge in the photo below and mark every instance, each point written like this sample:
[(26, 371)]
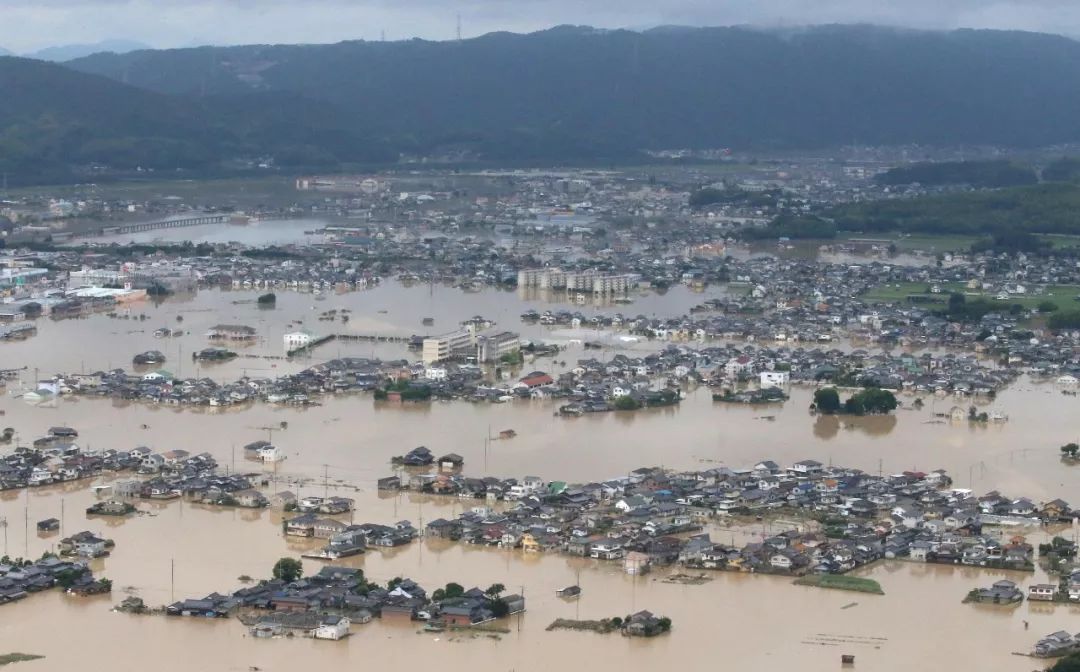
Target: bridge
[(177, 223)]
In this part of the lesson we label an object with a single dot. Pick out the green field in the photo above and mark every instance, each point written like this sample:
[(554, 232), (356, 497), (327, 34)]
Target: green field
[(1060, 240), (900, 291), (1063, 296), (932, 244), (915, 242), (836, 582)]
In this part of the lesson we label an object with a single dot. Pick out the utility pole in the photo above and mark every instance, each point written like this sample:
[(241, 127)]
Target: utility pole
[(172, 579)]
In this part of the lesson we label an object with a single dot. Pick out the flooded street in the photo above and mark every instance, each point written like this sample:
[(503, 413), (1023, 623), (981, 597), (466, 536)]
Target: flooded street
[(390, 309), (763, 622), (179, 550)]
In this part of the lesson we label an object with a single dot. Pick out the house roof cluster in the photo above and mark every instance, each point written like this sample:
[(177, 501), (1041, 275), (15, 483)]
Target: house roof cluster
[(650, 511)]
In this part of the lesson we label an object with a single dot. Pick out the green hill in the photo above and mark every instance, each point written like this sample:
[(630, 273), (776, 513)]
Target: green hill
[(565, 94), (581, 91), (54, 119), (1044, 208)]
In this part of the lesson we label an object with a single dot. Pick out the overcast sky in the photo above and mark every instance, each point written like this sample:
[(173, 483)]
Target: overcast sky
[(32, 24)]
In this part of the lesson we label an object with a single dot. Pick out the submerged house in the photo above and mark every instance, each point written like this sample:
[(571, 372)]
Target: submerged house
[(332, 628)]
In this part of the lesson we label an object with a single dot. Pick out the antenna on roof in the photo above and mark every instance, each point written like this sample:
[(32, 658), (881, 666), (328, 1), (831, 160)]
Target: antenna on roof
[(382, 35), (459, 27)]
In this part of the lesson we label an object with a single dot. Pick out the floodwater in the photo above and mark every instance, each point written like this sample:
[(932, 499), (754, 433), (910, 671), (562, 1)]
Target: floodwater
[(266, 232), (756, 622), (389, 309), (760, 622)]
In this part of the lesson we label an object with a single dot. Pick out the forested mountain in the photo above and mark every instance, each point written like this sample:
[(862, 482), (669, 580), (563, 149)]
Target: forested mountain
[(561, 94), (53, 118), (702, 87)]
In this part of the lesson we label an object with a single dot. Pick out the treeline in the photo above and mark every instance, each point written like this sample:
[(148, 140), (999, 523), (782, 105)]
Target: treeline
[(868, 401), (1012, 242), (714, 196), (1064, 320), (792, 226), (959, 309), (982, 174), (1065, 169), (1041, 208)]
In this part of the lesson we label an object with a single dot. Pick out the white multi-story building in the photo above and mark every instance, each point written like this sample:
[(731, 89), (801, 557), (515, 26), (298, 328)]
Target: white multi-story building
[(590, 281), (468, 343), (435, 373), (455, 344), (297, 339), (492, 348), (775, 378)]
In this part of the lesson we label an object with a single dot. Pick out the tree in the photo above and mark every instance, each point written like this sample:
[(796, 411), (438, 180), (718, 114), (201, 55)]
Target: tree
[(66, 578), (1070, 450), (1070, 663), (288, 570), (827, 400), (494, 590), (664, 623), (872, 400), (454, 590), (957, 302), (499, 608), (626, 403), (1047, 306)]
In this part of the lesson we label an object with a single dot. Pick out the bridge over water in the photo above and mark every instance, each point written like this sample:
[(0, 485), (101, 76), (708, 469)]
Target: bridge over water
[(175, 223)]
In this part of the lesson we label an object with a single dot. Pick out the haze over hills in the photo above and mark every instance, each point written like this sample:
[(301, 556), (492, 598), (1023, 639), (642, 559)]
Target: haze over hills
[(67, 52), (580, 93)]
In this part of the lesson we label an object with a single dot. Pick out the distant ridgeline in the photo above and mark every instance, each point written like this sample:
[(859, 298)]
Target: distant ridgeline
[(565, 94)]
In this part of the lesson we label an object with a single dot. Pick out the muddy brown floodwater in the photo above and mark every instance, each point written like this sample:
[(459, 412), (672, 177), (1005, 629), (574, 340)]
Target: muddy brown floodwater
[(179, 550)]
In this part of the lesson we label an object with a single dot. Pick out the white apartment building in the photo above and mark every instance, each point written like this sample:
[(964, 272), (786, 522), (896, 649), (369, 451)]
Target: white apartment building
[(297, 339), (590, 281)]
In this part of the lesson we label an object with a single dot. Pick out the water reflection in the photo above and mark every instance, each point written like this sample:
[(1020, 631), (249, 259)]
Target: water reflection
[(828, 426)]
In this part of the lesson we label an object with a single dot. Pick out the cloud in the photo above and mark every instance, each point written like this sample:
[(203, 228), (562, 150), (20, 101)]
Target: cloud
[(32, 24)]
